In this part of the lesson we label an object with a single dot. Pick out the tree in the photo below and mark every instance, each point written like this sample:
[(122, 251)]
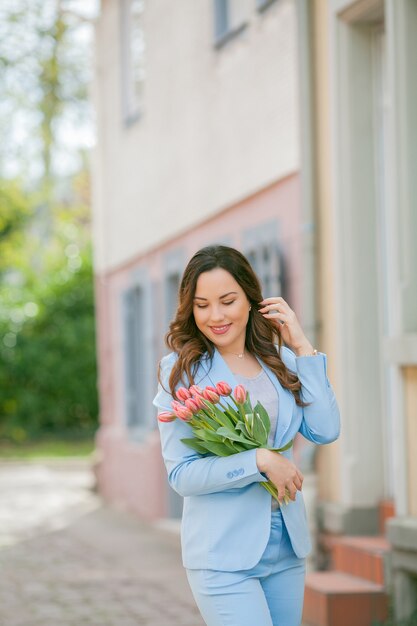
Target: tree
[(47, 338)]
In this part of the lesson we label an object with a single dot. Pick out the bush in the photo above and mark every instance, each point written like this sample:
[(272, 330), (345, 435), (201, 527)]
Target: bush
[(48, 367)]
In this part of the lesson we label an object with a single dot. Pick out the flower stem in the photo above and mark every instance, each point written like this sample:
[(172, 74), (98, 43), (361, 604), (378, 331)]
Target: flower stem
[(270, 487)]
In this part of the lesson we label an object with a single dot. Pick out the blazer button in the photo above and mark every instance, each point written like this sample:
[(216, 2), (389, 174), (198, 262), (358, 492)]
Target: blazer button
[(241, 471), (235, 473), (229, 474)]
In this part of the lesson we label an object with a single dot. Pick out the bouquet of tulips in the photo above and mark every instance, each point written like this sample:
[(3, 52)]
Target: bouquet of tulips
[(220, 428)]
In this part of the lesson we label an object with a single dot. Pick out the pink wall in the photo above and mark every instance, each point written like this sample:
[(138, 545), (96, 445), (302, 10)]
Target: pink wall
[(130, 473)]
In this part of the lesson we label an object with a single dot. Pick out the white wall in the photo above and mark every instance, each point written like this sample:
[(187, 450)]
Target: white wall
[(217, 125)]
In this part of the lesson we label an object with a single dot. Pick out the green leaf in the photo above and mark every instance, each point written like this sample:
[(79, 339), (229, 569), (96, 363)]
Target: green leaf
[(210, 421), (259, 433), (226, 421), (233, 446), (195, 445), (286, 447), (247, 405), (242, 427), (207, 435), (249, 423), (234, 436), (263, 414), (232, 414), (219, 449)]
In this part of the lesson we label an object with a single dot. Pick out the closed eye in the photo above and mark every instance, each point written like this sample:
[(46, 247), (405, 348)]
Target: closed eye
[(204, 306)]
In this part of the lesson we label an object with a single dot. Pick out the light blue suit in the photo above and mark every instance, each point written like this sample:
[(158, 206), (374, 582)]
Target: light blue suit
[(226, 520)]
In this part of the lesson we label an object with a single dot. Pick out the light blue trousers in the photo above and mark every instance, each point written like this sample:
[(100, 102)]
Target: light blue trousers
[(269, 594)]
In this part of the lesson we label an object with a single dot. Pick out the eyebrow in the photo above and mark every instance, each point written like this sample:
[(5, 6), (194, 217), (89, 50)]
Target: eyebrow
[(223, 296)]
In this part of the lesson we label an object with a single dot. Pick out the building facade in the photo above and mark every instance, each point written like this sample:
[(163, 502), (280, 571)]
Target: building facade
[(285, 128), (360, 80), (198, 143)]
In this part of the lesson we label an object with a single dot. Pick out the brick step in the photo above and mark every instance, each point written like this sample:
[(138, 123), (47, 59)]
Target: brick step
[(337, 599), (360, 556)]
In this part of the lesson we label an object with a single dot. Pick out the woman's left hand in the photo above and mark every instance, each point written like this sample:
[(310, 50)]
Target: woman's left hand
[(286, 322)]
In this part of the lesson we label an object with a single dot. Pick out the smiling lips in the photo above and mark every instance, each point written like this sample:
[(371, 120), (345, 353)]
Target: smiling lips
[(220, 330)]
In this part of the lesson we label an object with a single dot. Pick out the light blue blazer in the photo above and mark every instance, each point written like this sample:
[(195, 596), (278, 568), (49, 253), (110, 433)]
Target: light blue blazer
[(227, 515)]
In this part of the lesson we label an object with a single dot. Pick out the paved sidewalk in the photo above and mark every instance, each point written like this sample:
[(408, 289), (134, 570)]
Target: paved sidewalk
[(68, 560)]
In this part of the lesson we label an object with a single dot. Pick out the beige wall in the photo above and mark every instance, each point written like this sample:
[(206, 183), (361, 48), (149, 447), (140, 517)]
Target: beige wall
[(328, 456), (215, 127)]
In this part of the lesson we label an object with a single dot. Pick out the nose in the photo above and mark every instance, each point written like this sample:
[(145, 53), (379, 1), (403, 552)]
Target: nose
[(216, 315)]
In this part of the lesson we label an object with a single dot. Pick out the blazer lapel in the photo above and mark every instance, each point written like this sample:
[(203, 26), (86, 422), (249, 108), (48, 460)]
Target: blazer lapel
[(220, 371), (285, 406)]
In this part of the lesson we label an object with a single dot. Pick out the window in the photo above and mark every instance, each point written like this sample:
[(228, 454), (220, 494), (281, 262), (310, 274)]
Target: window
[(132, 58), (261, 5), (173, 269), (138, 356), (172, 287), (260, 245), (230, 19), (134, 356), (266, 260)]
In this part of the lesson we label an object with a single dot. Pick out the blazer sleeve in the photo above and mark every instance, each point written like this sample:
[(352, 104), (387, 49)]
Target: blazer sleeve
[(321, 419), (191, 473)]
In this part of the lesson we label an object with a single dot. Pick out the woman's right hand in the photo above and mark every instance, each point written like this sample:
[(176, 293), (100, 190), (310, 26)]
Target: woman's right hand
[(280, 471)]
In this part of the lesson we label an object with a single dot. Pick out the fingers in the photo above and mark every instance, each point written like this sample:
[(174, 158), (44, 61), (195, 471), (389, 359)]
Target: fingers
[(272, 300), (292, 491), (287, 478), (298, 483), (281, 492), (298, 480)]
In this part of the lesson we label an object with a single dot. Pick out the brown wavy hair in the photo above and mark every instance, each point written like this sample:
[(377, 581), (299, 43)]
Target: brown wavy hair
[(184, 337)]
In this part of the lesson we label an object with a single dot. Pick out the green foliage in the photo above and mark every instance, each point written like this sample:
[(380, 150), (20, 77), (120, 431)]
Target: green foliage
[(47, 334), (48, 448), (48, 366), (45, 69), (392, 621)]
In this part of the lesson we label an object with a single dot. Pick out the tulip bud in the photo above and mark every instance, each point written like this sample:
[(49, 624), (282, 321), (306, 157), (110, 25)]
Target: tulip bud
[(210, 394), (166, 416), (223, 389), (193, 405), (195, 390), (183, 413), (200, 401), (176, 405), (182, 394), (240, 394)]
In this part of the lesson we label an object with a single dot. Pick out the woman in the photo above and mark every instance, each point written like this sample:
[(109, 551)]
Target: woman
[(244, 554)]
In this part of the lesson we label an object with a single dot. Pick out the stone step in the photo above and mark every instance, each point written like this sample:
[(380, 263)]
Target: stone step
[(360, 556), (338, 599)]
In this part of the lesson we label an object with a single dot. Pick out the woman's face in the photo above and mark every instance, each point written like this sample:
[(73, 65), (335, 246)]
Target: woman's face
[(221, 310)]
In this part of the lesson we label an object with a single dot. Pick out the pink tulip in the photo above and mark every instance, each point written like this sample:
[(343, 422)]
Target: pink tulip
[(193, 405), (176, 405), (223, 389), (195, 390), (210, 394), (183, 394), (200, 401), (166, 416), (240, 394), (183, 413)]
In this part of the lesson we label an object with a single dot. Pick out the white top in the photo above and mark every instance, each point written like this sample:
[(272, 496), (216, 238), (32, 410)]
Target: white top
[(262, 389)]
